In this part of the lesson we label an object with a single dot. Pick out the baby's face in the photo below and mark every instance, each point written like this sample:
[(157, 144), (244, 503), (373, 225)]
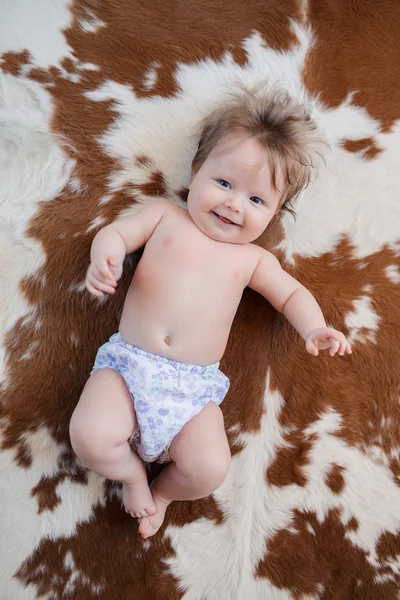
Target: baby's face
[(231, 196)]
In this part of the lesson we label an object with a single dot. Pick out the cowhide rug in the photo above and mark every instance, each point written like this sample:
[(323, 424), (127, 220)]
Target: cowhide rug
[(99, 104)]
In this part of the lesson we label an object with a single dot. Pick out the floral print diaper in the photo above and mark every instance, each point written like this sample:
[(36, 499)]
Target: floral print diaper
[(165, 393)]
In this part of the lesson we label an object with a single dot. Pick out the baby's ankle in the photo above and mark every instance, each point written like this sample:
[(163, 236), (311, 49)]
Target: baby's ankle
[(155, 493), (132, 481)]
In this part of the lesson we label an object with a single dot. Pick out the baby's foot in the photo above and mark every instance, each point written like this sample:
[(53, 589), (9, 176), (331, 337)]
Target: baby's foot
[(137, 498), (148, 526)]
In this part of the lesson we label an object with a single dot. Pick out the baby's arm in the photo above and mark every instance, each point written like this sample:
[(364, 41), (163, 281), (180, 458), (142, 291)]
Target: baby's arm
[(112, 243), (297, 304)]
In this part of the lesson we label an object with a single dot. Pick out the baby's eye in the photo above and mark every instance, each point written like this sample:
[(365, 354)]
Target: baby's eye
[(256, 200), (224, 183)]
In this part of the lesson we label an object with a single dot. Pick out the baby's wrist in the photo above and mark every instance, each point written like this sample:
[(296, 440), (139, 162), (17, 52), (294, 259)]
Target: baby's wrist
[(107, 246), (312, 331)]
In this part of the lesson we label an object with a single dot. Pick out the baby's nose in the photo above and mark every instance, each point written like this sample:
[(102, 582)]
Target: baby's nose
[(235, 205)]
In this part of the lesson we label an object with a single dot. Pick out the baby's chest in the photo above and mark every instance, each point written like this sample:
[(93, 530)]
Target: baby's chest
[(188, 254)]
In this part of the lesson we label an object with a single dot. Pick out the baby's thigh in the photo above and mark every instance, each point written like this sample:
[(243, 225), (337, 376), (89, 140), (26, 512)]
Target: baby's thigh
[(105, 408), (202, 442)]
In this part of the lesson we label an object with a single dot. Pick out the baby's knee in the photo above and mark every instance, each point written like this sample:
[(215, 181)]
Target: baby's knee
[(217, 470), (210, 472), (87, 441)]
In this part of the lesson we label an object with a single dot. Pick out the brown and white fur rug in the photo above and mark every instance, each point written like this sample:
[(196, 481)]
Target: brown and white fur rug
[(99, 103)]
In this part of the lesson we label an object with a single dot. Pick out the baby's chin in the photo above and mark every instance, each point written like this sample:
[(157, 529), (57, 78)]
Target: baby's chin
[(222, 236)]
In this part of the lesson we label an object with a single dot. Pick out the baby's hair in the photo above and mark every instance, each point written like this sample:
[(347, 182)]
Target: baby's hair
[(284, 128)]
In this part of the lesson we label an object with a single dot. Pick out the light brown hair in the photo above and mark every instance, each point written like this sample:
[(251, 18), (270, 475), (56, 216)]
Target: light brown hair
[(283, 128)]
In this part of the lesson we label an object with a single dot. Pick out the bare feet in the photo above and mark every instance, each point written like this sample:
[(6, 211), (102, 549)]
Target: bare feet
[(137, 498), (148, 526)]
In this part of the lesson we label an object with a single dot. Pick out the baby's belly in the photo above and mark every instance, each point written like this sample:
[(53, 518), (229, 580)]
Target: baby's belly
[(191, 329)]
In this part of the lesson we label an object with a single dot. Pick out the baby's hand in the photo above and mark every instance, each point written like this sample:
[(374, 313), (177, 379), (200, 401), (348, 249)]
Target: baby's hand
[(102, 277), (324, 338)]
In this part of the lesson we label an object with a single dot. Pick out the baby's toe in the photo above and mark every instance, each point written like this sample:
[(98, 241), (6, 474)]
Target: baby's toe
[(151, 510), (144, 527)]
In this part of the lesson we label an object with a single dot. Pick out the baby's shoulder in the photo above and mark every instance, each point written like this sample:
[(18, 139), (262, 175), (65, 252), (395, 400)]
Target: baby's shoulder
[(173, 210), (252, 253), (164, 206), (260, 258), (246, 257)]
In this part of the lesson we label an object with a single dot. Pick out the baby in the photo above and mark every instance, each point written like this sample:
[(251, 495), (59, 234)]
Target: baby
[(156, 384)]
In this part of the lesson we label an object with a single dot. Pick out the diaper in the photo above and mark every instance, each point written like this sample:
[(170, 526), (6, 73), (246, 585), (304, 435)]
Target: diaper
[(165, 393)]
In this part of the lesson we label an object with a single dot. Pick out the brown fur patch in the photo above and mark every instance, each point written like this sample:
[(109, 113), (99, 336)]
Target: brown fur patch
[(365, 146), (334, 479), (322, 557), (356, 51), (12, 62), (188, 33), (111, 538)]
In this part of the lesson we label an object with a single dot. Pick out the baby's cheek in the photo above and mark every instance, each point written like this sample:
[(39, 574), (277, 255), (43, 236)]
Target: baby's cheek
[(212, 197)]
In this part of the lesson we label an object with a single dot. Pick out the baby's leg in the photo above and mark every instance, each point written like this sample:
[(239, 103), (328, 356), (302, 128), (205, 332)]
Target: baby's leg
[(201, 459), (102, 423)]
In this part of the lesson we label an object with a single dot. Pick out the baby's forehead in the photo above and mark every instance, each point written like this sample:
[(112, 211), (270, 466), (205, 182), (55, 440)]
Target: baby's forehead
[(241, 162), (248, 158), (239, 153), (241, 159)]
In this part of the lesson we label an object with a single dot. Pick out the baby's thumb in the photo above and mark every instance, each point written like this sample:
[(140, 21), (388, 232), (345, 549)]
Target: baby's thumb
[(311, 347), (115, 268)]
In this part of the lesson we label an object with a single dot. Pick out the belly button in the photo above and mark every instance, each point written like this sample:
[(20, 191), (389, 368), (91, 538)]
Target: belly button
[(167, 340)]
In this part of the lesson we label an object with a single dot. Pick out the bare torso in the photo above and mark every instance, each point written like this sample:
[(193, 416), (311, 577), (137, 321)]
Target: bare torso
[(185, 292)]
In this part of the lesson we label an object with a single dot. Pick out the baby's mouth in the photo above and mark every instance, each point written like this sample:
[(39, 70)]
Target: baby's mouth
[(224, 219)]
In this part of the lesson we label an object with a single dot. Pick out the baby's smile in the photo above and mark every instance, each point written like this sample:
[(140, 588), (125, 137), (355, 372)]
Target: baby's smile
[(225, 219)]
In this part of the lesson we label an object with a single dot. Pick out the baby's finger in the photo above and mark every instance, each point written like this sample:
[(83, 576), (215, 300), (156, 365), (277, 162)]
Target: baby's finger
[(348, 348), (104, 287), (311, 347), (101, 285), (93, 290), (97, 274), (335, 345), (343, 343)]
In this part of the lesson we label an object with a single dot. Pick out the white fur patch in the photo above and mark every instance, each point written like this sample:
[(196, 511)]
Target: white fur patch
[(351, 198), (393, 273), (363, 317), (91, 23), (150, 78), (27, 150), (35, 25)]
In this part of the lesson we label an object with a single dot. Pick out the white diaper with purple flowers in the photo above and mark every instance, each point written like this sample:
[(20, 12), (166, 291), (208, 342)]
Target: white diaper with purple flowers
[(165, 393)]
